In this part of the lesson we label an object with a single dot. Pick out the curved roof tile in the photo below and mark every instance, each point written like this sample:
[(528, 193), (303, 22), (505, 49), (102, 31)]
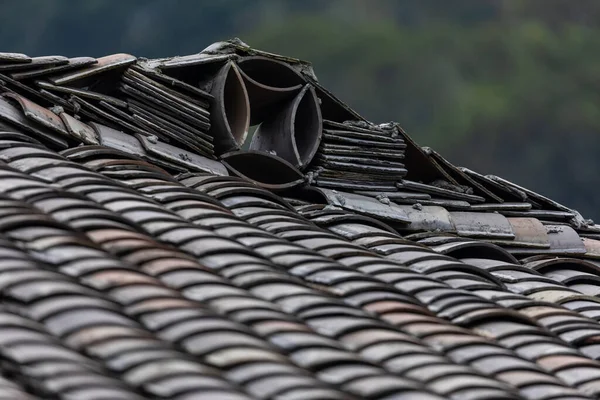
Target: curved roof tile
[(133, 266)]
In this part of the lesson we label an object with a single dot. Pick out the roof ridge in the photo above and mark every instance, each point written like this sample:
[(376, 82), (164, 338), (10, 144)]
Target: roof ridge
[(343, 261)]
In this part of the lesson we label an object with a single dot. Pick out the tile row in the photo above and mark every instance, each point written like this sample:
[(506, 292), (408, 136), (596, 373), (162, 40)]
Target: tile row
[(427, 261), (225, 344), (521, 236), (44, 365), (305, 232), (242, 267), (92, 323), (228, 296), (156, 187)]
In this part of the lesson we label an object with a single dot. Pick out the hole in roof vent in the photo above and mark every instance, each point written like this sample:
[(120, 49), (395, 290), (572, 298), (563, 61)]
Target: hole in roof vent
[(269, 83), (307, 126), (294, 133), (263, 169), (231, 117)]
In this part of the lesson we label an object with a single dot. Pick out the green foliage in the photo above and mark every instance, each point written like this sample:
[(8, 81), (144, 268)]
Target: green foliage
[(503, 86)]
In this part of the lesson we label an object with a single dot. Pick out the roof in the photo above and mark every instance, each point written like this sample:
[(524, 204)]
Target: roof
[(144, 255)]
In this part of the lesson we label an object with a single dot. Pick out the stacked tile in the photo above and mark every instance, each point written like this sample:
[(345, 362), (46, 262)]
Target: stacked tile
[(358, 156), (117, 92), (170, 109), (77, 85), (19, 92), (431, 174), (437, 196), (65, 102)]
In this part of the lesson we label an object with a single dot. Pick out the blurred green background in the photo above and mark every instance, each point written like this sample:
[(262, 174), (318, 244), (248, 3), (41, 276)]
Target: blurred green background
[(510, 87)]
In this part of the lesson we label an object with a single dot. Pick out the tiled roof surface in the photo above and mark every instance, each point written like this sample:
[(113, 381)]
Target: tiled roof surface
[(144, 255)]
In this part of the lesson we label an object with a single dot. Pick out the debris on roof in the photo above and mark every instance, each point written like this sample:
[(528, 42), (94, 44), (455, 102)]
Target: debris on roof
[(144, 254)]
